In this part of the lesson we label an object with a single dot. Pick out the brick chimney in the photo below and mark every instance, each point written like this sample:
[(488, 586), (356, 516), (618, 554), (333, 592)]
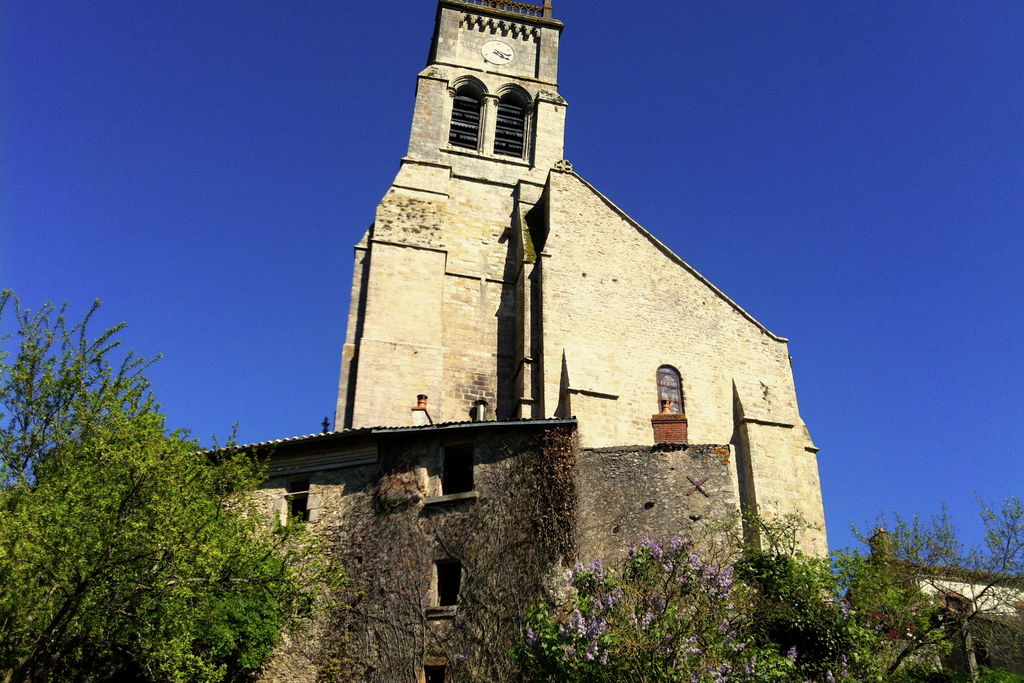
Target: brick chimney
[(420, 416), (669, 427)]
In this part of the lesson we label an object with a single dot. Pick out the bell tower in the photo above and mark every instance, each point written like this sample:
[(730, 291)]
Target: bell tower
[(489, 92), (433, 308)]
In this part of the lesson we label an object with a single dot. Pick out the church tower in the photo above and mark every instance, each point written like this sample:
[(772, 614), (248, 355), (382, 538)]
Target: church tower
[(501, 285), (433, 303)]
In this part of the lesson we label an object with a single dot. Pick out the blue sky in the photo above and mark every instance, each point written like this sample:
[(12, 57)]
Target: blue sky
[(850, 172)]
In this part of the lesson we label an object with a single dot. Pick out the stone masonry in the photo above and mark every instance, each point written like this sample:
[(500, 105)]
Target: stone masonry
[(378, 495), (529, 379), (512, 281)]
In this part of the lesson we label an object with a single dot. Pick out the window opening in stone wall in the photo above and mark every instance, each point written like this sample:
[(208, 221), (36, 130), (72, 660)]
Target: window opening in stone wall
[(510, 128), (670, 388), (465, 127), (435, 673), (298, 499), (956, 602), (457, 476), (449, 581)]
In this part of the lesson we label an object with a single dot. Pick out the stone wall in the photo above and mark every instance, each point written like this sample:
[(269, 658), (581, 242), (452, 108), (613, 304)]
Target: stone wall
[(391, 522), (628, 492), (616, 305), (436, 314)]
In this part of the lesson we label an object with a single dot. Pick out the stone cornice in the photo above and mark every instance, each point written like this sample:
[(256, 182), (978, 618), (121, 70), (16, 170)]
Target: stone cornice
[(508, 14)]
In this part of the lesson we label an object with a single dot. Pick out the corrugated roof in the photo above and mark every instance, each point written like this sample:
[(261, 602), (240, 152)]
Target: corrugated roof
[(395, 429), (291, 439), (470, 423)]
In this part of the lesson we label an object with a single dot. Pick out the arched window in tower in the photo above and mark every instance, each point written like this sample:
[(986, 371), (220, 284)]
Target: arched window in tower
[(670, 388), (510, 128), (465, 128)]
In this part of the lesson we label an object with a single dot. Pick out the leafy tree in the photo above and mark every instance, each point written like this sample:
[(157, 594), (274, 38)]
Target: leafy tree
[(124, 551), (792, 605), (926, 594)]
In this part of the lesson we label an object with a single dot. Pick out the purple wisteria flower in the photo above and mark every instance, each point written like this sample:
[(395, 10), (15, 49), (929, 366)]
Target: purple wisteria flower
[(584, 627), (676, 544), (532, 639), (609, 600), (647, 546)]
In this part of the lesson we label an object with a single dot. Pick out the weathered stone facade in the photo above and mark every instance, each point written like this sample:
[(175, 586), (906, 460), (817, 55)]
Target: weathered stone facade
[(535, 504), (628, 492), (511, 280), (500, 284)]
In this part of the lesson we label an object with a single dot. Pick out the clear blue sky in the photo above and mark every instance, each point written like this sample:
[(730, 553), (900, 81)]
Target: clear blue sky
[(851, 172)]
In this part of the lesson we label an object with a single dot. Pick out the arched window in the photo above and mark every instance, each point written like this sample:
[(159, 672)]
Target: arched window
[(670, 388), (510, 128), (465, 128)]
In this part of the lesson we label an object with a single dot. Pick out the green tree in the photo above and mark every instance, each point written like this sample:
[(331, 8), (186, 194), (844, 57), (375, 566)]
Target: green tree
[(793, 602), (125, 552), (930, 597)]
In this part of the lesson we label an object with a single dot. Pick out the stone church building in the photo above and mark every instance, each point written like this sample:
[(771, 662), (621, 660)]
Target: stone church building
[(529, 378)]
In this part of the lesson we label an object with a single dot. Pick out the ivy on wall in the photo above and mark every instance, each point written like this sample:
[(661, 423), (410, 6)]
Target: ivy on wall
[(514, 543)]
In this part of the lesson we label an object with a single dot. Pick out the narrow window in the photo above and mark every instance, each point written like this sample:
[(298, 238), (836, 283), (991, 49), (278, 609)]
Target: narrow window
[(298, 500), (510, 128), (670, 388), (465, 128), (449, 580), (434, 673), (457, 476)]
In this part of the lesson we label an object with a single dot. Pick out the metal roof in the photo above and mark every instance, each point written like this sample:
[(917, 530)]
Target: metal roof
[(397, 430)]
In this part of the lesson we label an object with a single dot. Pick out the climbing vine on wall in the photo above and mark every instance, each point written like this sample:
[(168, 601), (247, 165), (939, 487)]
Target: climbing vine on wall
[(514, 543)]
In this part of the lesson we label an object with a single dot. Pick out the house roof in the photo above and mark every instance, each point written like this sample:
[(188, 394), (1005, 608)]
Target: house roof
[(344, 434)]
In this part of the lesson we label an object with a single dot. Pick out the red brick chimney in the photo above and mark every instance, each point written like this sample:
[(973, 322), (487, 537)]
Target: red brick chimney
[(669, 427)]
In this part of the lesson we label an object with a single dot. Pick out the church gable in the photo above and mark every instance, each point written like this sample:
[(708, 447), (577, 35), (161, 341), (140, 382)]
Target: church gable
[(618, 305), (596, 203)]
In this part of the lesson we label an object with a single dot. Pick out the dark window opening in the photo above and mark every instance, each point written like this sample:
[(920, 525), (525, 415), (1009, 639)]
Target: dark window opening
[(956, 602), (510, 128), (298, 499), (465, 128), (449, 580), (457, 476), (434, 673), (670, 388)]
